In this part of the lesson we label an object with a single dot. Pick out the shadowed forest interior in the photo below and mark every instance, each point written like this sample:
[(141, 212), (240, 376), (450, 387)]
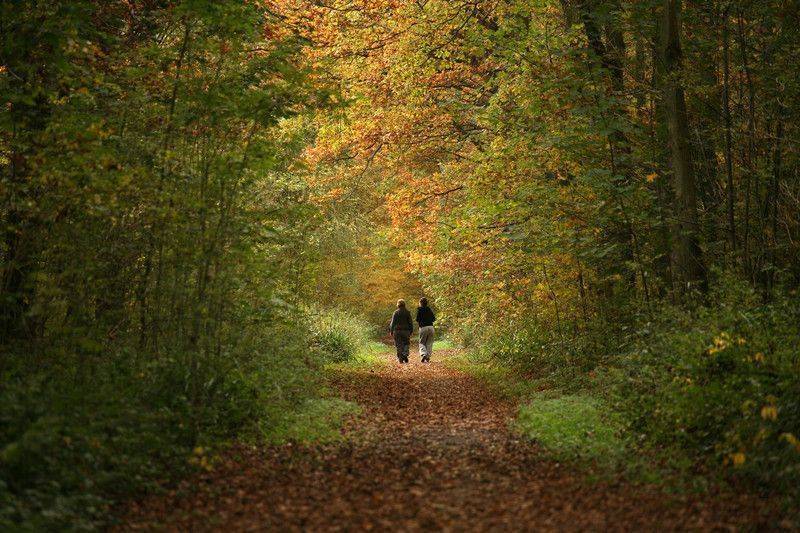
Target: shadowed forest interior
[(208, 205)]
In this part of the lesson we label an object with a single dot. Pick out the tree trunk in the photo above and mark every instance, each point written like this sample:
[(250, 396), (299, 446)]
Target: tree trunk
[(726, 111), (609, 56), (771, 215), (570, 14), (687, 260), (750, 153)]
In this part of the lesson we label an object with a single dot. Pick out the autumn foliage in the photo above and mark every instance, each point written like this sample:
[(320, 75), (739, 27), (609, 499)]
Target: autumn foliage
[(203, 202), (595, 187)]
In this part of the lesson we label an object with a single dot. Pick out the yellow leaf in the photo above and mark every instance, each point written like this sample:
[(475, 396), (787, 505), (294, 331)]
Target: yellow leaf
[(651, 177), (738, 458), (792, 440), (769, 412)]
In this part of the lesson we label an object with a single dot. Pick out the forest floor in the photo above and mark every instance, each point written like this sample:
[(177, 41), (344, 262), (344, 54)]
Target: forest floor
[(431, 450)]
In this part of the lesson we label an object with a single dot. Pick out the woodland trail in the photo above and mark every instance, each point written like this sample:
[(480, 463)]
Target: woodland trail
[(432, 450)]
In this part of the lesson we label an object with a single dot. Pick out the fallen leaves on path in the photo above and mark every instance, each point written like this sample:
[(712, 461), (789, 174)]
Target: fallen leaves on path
[(431, 451)]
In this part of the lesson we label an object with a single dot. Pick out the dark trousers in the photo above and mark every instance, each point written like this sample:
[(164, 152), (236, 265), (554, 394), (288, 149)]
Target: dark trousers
[(402, 340)]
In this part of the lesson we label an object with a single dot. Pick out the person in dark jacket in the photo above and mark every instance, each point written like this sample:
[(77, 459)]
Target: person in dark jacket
[(425, 319), (401, 328)]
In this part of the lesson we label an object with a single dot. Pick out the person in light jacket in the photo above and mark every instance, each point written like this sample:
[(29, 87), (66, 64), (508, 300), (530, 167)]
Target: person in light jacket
[(425, 319), (401, 328)]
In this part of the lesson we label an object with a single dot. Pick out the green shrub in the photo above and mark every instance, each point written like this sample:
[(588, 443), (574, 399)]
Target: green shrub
[(338, 336), (369, 355), (720, 384), (72, 444), (66, 454), (535, 349), (717, 384)]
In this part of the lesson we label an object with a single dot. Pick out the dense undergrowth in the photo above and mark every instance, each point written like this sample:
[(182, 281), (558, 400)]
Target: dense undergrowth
[(338, 335), (73, 444), (710, 388)]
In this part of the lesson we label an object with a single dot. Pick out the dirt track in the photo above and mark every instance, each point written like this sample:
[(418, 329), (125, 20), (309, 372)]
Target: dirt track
[(431, 451)]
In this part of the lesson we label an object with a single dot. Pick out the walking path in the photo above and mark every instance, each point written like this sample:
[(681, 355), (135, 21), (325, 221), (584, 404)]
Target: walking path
[(432, 450)]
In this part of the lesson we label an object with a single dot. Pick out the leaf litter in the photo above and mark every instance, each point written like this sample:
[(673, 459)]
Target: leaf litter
[(431, 450)]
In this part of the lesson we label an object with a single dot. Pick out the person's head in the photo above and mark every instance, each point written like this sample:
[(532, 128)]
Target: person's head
[(423, 302), (401, 304)]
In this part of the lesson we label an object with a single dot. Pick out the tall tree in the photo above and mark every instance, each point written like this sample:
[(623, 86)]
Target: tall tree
[(688, 267)]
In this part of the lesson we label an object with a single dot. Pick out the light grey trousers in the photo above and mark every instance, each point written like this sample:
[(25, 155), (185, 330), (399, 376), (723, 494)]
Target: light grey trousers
[(426, 342)]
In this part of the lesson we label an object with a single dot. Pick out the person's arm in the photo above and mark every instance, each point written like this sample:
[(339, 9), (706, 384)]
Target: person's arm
[(392, 324), (418, 313), (433, 317), (410, 323)]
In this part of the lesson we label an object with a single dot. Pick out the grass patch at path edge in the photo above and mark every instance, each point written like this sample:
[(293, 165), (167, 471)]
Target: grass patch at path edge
[(568, 426), (444, 344), (572, 426), (502, 381), (316, 420), (321, 419), (368, 356)]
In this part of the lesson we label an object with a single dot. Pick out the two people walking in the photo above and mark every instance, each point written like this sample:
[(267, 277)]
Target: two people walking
[(402, 327)]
